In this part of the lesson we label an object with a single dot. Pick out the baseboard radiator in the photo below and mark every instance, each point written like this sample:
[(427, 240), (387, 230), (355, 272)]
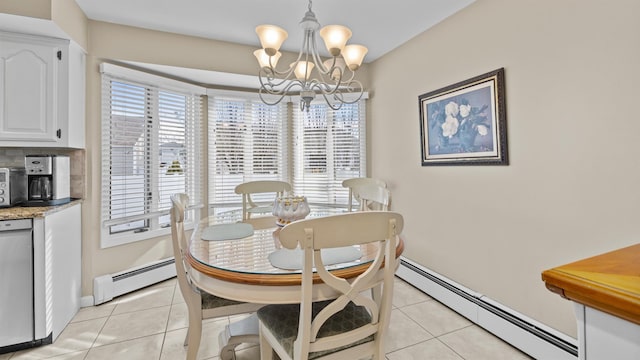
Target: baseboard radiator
[(531, 337), (106, 287)]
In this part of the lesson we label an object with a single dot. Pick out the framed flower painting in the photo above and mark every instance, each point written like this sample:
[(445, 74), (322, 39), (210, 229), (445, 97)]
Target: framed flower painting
[(465, 123)]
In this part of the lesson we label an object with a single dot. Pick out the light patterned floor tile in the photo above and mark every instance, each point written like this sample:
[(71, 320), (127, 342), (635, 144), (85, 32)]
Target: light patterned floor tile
[(405, 294), (178, 317), (177, 296), (133, 325), (427, 350), (5, 356), (75, 337), (474, 343), (209, 347), (404, 332), (154, 296), (79, 355), (144, 348), (94, 312), (435, 317)]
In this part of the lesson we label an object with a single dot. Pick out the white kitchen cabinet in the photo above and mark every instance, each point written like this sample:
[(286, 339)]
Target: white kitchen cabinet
[(42, 92), (57, 268)]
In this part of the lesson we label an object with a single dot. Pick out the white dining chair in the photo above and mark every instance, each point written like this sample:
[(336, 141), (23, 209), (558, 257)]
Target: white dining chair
[(372, 197), (250, 190), (354, 183), (200, 304), (353, 325)]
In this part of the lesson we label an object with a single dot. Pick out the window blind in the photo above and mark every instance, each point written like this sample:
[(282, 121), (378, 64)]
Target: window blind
[(150, 150), (248, 141), (329, 147)]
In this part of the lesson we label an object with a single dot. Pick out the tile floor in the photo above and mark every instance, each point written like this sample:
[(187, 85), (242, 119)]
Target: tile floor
[(150, 324)]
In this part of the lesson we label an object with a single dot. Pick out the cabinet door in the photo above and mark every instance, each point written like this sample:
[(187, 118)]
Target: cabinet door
[(28, 91)]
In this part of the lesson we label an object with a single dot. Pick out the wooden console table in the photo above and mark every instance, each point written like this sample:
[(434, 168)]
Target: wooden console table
[(606, 292)]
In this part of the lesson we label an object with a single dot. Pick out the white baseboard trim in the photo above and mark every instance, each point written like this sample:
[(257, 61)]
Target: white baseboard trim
[(86, 301), (106, 287), (531, 337)]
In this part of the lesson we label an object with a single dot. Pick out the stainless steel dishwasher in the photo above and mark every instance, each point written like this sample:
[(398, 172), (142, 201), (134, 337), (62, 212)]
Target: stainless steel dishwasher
[(16, 282)]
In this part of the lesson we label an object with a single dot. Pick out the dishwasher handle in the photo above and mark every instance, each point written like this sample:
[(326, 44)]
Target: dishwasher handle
[(12, 225)]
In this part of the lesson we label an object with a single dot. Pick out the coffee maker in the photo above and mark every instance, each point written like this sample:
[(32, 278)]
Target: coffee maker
[(48, 179)]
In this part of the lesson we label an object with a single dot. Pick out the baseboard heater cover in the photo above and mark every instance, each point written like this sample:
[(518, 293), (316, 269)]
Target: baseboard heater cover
[(524, 333), (106, 287)]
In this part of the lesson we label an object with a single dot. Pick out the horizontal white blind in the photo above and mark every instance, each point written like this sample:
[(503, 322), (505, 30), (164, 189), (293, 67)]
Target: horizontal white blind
[(150, 150), (247, 141), (125, 140), (329, 147)]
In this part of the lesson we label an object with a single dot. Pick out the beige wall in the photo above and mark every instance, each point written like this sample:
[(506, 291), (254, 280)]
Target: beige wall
[(33, 8), (571, 189), (68, 15)]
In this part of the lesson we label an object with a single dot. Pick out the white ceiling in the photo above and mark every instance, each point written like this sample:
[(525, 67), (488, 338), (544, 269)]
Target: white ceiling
[(380, 25)]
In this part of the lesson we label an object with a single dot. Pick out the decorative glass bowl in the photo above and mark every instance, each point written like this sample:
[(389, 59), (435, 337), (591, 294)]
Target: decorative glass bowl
[(287, 209)]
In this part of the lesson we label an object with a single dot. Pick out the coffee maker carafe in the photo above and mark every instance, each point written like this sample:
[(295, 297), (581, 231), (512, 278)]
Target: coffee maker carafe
[(48, 179)]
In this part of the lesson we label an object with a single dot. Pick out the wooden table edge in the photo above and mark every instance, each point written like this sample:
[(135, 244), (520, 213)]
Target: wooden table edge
[(277, 279), (598, 296)]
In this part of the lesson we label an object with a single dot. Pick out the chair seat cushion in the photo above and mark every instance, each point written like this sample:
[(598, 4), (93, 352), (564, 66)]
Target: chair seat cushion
[(282, 321), (210, 301)]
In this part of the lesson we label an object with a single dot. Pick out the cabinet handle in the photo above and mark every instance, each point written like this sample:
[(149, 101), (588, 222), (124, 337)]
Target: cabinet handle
[(59, 133), (59, 54)]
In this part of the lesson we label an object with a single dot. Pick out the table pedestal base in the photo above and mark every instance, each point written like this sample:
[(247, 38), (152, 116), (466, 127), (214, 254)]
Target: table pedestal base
[(236, 333)]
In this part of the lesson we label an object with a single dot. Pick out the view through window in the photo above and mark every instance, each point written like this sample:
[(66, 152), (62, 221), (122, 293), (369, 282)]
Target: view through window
[(314, 151)]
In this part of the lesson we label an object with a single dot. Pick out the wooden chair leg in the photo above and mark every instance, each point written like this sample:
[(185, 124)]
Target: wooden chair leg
[(194, 332), (266, 351)]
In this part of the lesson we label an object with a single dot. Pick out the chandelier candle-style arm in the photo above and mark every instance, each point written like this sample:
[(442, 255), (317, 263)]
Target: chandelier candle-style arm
[(309, 74)]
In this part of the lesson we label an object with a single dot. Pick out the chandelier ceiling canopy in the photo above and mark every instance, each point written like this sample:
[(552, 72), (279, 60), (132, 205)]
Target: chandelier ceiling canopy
[(310, 75)]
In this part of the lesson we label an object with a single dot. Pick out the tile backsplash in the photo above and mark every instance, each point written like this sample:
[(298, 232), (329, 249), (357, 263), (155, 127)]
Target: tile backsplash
[(15, 157)]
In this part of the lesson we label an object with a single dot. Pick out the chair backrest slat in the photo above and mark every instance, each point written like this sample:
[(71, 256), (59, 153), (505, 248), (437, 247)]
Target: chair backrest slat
[(373, 197), (354, 183), (247, 189), (179, 203)]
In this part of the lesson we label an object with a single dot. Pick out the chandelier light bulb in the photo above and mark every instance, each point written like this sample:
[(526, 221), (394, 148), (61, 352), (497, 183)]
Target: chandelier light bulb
[(265, 60), (335, 38), (303, 69), (338, 68), (271, 38), (354, 55)]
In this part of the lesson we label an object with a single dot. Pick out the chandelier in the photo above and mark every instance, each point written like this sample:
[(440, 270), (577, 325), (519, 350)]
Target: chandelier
[(309, 75)]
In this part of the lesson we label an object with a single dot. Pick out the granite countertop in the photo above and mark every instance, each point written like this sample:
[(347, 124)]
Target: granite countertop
[(30, 212)]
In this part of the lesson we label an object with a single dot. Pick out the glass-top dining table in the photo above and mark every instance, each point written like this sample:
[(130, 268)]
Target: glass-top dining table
[(240, 269)]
